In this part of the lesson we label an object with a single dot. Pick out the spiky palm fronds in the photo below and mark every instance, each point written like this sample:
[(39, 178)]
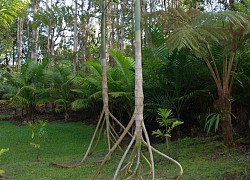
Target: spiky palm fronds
[(124, 67), (120, 83), (197, 32), (85, 87), (171, 82), (24, 97), (7, 90), (25, 81), (60, 79)]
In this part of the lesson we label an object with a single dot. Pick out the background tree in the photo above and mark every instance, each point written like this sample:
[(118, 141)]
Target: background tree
[(19, 42), (35, 30), (9, 10), (75, 60), (224, 39)]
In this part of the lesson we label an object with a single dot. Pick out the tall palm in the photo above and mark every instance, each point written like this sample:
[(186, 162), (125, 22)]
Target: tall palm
[(112, 136), (134, 165), (199, 32)]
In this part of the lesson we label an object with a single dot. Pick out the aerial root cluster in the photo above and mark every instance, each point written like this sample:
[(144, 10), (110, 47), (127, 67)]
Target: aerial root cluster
[(112, 137), (133, 168)]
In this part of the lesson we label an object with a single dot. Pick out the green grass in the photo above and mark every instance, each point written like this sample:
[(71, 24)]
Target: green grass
[(5, 116), (201, 158)]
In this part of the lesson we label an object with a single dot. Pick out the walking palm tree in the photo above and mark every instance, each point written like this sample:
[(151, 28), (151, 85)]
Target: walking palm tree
[(105, 115), (134, 166)]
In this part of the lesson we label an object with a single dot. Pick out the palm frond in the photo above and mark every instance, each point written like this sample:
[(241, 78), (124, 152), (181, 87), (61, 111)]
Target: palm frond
[(96, 95), (94, 68), (27, 91), (206, 27), (192, 94), (19, 101), (79, 104), (123, 64)]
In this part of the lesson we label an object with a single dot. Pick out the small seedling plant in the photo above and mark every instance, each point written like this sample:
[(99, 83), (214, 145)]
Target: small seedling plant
[(38, 135), (3, 151), (167, 121)]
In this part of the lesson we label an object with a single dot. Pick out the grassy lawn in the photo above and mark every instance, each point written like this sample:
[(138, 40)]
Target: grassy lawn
[(5, 116), (201, 158)]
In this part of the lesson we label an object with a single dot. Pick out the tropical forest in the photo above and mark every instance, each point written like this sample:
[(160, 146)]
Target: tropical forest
[(125, 89)]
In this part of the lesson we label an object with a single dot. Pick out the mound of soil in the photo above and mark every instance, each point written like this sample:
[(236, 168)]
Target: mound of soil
[(7, 113), (6, 109)]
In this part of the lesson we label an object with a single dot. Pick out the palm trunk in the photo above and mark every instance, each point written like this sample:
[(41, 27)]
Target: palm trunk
[(104, 73), (139, 97), (224, 86), (144, 23), (226, 124)]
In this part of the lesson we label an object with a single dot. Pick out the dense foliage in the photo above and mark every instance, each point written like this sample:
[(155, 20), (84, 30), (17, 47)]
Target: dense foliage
[(175, 75)]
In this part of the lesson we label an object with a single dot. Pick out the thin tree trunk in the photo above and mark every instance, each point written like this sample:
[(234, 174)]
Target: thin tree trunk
[(13, 53), (48, 41), (132, 27), (113, 27), (84, 30), (75, 60), (108, 28), (52, 43), (19, 43), (164, 5), (28, 38), (121, 28), (35, 33), (104, 72), (49, 30)]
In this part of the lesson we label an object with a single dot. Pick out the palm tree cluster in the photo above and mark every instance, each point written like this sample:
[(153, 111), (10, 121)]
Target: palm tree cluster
[(57, 89)]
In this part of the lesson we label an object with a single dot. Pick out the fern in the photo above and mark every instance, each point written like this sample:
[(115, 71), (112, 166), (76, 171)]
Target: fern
[(80, 104), (194, 32)]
